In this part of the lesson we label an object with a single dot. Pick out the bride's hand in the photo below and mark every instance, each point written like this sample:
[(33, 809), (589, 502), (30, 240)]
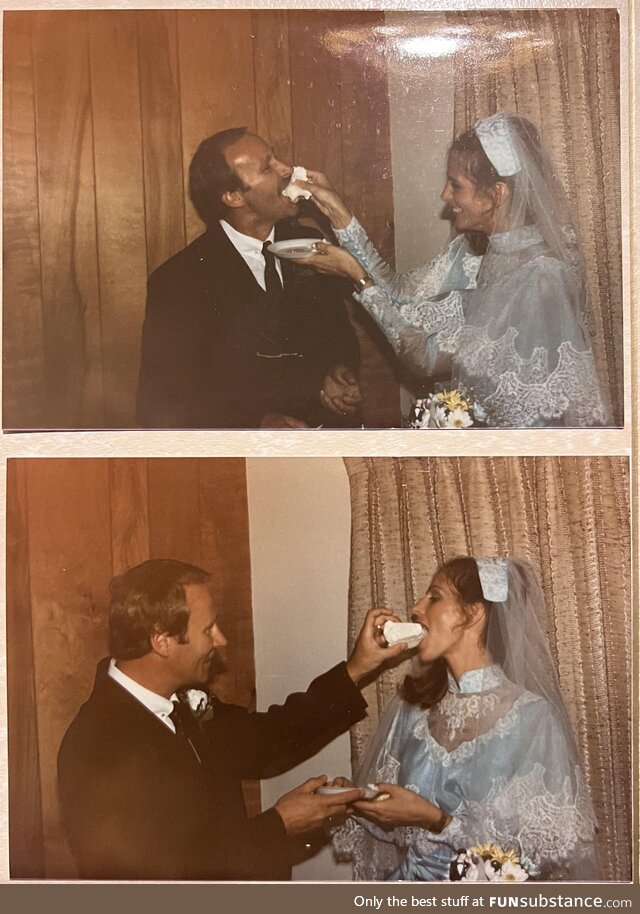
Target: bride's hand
[(326, 199), (403, 807), (340, 782), (334, 260)]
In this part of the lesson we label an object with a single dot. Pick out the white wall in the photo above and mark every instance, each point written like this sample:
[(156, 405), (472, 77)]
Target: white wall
[(421, 121), (299, 527)]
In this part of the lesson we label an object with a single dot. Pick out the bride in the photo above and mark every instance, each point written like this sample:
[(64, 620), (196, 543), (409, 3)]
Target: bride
[(502, 313), (479, 746)]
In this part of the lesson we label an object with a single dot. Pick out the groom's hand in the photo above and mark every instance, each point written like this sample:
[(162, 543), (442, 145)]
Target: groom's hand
[(371, 650), (302, 809), (340, 392)]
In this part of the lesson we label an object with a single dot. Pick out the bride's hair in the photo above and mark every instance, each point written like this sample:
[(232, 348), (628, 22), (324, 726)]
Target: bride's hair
[(468, 150), (462, 576), (476, 162)]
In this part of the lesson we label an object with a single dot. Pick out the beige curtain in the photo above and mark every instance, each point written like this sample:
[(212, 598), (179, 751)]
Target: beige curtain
[(570, 517), (561, 69)]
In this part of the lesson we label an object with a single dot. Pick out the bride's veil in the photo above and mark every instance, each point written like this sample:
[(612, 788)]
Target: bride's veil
[(537, 196), (530, 311)]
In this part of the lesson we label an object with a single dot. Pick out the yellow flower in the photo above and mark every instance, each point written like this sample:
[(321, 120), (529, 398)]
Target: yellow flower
[(495, 852), (508, 856), (453, 399), (486, 851)]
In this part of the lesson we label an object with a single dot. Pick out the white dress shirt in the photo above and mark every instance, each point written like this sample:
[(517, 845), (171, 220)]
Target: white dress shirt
[(250, 249), (157, 704)]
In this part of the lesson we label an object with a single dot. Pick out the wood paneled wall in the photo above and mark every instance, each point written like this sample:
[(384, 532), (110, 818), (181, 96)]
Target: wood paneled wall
[(71, 526), (103, 111)]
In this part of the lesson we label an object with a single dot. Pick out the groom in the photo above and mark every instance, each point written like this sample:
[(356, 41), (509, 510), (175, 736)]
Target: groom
[(147, 790), (233, 337)]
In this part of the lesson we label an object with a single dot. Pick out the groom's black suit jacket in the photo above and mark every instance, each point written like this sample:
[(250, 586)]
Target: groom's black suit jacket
[(209, 339), (138, 804)]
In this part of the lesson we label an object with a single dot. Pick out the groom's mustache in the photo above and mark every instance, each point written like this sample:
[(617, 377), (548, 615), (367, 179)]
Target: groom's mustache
[(217, 664)]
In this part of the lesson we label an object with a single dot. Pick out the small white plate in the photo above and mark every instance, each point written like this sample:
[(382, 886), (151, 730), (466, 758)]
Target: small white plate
[(295, 248), (369, 792)]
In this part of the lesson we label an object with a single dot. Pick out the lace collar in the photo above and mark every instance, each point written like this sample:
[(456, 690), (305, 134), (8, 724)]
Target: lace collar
[(515, 239), (482, 680)]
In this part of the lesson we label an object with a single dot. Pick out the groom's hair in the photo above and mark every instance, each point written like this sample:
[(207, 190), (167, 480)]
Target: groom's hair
[(148, 599), (210, 175)]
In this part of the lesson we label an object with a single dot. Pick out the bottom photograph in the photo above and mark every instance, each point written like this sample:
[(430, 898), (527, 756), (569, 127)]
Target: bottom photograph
[(319, 669)]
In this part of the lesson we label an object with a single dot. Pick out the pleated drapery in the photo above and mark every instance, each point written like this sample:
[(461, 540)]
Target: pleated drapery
[(561, 69), (570, 517)]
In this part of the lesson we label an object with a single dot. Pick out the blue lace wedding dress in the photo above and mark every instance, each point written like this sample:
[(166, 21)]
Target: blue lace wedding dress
[(505, 326), (494, 756)]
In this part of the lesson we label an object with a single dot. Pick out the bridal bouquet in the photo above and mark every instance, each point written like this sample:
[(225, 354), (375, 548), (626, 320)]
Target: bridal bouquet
[(445, 409), (490, 863)]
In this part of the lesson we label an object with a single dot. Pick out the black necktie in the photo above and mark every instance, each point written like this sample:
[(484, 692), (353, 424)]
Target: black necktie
[(271, 319), (271, 277), (187, 727)]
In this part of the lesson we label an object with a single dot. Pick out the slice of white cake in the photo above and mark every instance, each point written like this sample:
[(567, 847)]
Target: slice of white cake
[(291, 191), (411, 632)]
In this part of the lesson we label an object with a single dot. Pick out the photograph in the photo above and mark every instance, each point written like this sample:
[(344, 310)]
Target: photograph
[(390, 669), (261, 639), (312, 219)]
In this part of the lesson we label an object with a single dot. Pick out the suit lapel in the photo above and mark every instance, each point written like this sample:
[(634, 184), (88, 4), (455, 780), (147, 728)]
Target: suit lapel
[(229, 271), (149, 730)]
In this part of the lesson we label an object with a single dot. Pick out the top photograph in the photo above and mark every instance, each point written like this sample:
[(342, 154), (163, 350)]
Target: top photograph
[(312, 219)]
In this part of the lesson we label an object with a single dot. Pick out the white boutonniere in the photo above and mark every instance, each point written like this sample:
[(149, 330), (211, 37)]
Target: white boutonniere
[(199, 703)]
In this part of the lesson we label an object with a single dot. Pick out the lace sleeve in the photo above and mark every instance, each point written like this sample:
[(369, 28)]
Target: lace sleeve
[(420, 326), (401, 288)]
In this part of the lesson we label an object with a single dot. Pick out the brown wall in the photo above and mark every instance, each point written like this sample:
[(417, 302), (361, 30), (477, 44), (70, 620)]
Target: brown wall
[(71, 526), (103, 111)]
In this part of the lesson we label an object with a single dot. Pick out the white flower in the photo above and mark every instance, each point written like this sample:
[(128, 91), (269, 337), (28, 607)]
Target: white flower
[(459, 418), (510, 872), (198, 701)]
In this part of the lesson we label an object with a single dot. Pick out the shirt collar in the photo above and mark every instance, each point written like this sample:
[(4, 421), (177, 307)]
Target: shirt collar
[(157, 704), (245, 244), (481, 680)]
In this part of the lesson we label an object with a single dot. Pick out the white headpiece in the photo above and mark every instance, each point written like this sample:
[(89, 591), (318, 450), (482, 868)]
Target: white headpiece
[(494, 579), (494, 134)]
